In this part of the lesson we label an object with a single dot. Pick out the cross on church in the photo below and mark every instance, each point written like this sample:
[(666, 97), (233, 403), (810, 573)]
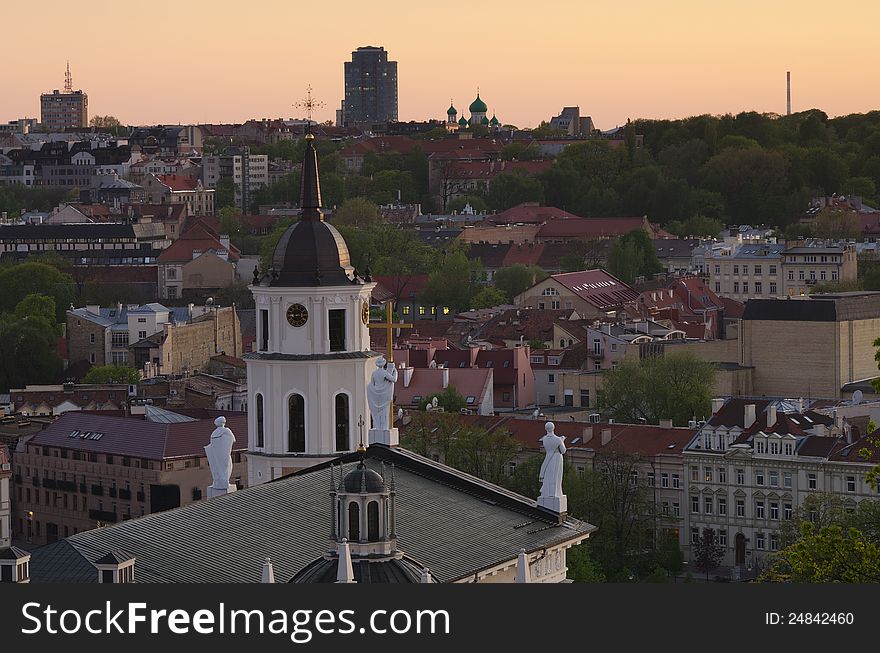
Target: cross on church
[(309, 104), (389, 325)]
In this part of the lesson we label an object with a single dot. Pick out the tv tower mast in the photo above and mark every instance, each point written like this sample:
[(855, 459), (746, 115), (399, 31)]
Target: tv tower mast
[(788, 93), (68, 80)]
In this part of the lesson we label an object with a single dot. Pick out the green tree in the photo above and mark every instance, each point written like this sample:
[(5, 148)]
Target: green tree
[(582, 568), (632, 256), (112, 374), (676, 386), (36, 306), (457, 204), (357, 212), (707, 553), (19, 281), (230, 221), (488, 297), (512, 188), (827, 554), (696, 226), (453, 283), (520, 152), (449, 399), (28, 353), (224, 193), (514, 279), (836, 224)]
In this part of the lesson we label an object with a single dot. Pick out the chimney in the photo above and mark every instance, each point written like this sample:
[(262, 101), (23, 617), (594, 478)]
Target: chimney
[(118, 308), (586, 434), (748, 415), (224, 240), (407, 375), (94, 309), (771, 415), (606, 436), (606, 328), (717, 404), (445, 374), (665, 423)]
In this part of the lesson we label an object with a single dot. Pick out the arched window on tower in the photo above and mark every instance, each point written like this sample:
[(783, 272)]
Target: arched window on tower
[(260, 431), (373, 521), (296, 424), (343, 422), (354, 522)]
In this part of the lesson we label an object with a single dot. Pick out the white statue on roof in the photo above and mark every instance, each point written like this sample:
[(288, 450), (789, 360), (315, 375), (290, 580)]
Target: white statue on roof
[(219, 453), (550, 475), (380, 392)]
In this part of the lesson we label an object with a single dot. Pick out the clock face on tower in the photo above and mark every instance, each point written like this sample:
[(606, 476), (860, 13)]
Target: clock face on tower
[(365, 313), (297, 315)]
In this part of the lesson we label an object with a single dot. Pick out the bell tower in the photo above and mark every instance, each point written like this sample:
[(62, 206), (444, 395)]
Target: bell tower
[(307, 380)]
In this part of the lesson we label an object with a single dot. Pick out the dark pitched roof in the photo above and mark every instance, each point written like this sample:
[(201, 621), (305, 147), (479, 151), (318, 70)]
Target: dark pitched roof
[(453, 523), (115, 557), (323, 570), (130, 436), (13, 553), (90, 231)]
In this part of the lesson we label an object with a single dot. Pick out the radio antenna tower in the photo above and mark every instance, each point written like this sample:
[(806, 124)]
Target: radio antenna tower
[(788, 93), (68, 80)]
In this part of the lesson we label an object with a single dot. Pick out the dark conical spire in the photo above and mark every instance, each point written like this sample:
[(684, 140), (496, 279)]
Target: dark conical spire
[(310, 190)]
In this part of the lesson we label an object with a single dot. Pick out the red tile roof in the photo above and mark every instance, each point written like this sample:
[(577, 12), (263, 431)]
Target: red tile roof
[(469, 382), (529, 213), (136, 437), (589, 228), (597, 287), (179, 183), (198, 237)]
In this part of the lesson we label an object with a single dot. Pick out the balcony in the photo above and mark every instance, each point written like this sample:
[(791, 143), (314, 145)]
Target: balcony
[(67, 486), (112, 492), (49, 483), (83, 488), (102, 515), (125, 494), (98, 490), (18, 478), (36, 481)]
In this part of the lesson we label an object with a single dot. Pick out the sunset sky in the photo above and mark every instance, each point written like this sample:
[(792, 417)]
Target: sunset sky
[(222, 61)]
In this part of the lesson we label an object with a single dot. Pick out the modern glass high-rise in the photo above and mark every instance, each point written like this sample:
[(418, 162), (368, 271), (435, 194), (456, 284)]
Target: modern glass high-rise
[(370, 87)]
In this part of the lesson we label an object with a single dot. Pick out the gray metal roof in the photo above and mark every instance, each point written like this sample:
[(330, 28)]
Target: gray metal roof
[(453, 523)]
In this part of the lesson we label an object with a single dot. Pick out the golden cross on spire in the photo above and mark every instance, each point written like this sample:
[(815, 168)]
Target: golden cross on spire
[(309, 103), (389, 325)]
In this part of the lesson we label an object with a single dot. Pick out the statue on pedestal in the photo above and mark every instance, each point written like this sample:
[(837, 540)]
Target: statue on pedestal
[(219, 453), (551, 471), (380, 392)]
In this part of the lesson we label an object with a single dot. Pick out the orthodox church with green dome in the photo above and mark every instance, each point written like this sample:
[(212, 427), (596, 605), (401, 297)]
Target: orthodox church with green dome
[(479, 116)]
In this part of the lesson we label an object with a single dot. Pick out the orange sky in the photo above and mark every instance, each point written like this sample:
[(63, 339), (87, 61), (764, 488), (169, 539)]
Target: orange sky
[(223, 61)]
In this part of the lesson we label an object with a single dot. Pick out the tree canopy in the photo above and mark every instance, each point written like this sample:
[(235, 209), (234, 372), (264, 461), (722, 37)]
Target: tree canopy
[(676, 386), (112, 374)]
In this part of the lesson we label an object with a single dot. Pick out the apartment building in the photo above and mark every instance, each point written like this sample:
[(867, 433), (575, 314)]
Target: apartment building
[(754, 463), (806, 267), (747, 271), (179, 189), (87, 470), (247, 171)]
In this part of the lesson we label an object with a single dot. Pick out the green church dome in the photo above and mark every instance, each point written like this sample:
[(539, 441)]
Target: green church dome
[(451, 111), (463, 121), (484, 121), (494, 122), (478, 106)]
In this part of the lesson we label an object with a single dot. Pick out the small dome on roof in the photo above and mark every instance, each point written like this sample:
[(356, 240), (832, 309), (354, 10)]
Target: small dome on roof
[(494, 121), (363, 477), (463, 121), (451, 111)]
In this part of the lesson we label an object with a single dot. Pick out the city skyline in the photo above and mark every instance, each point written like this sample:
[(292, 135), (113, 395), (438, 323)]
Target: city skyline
[(615, 62)]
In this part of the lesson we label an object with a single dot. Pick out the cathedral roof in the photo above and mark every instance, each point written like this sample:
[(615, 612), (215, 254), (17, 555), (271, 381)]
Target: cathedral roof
[(395, 570), (478, 106), (455, 524), (311, 252), (451, 111), (494, 120), (463, 121), (363, 478)]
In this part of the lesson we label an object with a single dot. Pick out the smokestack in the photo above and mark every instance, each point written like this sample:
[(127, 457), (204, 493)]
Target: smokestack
[(788, 93)]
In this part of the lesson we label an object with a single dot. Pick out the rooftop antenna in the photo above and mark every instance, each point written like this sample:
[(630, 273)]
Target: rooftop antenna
[(309, 103), (68, 80), (788, 93)]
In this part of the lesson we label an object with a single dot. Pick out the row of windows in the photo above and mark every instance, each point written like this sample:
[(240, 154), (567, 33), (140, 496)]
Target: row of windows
[(718, 506), (771, 478), (296, 422), (756, 269), (721, 539)]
